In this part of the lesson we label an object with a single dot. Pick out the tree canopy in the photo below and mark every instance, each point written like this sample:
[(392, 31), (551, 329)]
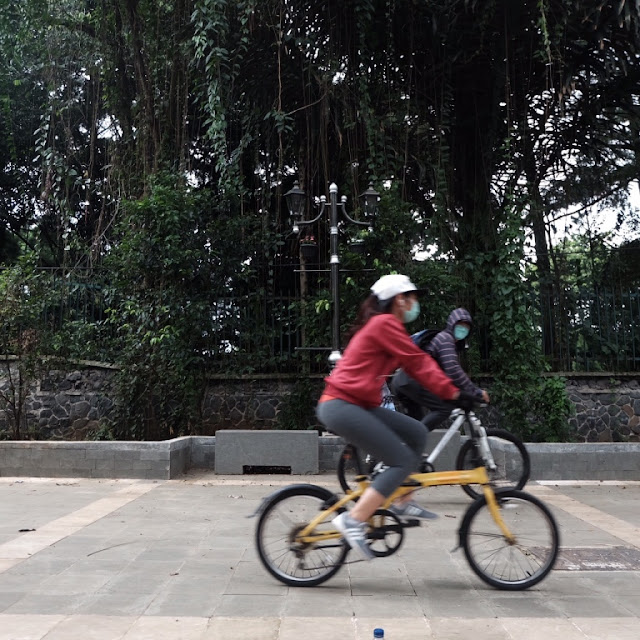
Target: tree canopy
[(466, 107)]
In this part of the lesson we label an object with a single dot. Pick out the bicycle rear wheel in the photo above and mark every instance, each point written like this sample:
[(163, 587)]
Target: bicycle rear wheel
[(513, 465), (350, 465), (291, 562), (511, 566)]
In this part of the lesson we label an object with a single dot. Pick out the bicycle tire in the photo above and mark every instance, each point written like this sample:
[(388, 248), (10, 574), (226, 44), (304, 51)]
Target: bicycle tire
[(509, 454), (285, 514), (499, 563), (350, 465)]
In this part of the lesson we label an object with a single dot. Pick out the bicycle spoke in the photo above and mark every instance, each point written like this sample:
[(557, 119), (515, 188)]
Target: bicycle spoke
[(511, 565), (282, 553), (511, 463)]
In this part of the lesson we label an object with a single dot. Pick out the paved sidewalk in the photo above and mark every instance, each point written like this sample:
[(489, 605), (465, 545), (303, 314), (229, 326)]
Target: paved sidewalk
[(153, 560)]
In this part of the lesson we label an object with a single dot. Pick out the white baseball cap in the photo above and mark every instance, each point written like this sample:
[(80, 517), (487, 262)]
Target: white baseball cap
[(388, 286)]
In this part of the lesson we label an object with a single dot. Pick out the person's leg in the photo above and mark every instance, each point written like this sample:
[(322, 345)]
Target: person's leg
[(408, 429), (412, 409), (415, 436), (367, 504), (397, 386), (359, 427), (377, 431), (387, 435), (401, 455), (436, 417), (438, 409)]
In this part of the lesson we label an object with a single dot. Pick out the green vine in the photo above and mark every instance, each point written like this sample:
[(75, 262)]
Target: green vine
[(298, 408), (221, 41), (533, 407)]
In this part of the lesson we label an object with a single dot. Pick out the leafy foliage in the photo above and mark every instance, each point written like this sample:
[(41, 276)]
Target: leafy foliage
[(297, 411), (523, 396), (160, 308), (24, 301), (550, 410)]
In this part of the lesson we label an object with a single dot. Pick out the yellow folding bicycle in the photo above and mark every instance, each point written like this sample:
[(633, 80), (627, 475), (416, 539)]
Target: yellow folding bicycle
[(509, 537)]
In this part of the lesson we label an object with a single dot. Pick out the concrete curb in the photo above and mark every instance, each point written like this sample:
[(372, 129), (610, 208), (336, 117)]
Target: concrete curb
[(172, 458), (585, 461), (103, 459)]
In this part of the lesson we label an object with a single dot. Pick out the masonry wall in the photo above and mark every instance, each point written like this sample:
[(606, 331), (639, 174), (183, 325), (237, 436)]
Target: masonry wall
[(607, 408), (76, 404)]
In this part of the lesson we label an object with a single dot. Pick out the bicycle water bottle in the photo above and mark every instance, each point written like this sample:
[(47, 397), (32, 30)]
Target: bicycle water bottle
[(378, 634)]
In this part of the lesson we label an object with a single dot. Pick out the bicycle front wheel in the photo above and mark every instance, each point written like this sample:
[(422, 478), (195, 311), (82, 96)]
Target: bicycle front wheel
[(518, 564), (350, 465), (511, 457), (292, 562)]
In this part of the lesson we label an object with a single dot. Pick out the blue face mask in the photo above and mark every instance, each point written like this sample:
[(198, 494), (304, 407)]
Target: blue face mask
[(460, 332), (411, 314)]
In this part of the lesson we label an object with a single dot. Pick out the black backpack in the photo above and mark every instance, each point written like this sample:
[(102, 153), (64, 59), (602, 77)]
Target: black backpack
[(423, 338)]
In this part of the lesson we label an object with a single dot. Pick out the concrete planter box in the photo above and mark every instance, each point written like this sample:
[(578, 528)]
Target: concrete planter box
[(585, 461), (239, 451), (111, 459), (304, 452)]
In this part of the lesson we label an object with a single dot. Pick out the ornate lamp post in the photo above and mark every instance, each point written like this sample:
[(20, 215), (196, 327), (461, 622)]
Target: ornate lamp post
[(296, 203)]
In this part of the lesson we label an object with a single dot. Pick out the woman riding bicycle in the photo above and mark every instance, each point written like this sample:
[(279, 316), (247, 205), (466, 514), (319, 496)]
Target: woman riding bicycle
[(349, 405)]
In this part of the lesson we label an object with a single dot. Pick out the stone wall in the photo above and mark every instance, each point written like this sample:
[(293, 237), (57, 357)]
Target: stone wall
[(254, 403), (65, 405), (76, 404), (607, 408)]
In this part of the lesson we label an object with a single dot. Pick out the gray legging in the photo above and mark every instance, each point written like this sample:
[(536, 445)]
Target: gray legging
[(388, 435)]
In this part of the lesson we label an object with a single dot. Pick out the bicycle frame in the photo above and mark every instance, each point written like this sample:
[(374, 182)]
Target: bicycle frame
[(414, 481), (476, 430)]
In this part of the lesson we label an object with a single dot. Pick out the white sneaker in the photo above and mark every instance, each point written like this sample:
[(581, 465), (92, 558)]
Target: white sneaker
[(354, 532), (412, 510)]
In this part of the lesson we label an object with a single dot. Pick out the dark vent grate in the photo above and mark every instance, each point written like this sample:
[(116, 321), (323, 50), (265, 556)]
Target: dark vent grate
[(253, 469)]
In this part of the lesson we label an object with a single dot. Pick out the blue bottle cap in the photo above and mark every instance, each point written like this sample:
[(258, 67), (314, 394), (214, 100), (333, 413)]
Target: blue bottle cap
[(378, 633)]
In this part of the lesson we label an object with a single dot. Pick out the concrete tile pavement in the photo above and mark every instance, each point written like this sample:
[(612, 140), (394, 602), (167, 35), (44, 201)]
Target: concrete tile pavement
[(132, 559)]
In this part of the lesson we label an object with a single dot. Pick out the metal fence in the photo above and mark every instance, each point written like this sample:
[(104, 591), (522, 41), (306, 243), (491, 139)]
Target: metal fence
[(593, 330), (254, 333), (581, 330)]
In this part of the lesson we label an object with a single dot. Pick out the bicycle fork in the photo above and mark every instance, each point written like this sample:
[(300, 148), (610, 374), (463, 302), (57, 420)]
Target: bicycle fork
[(485, 451), (494, 510)]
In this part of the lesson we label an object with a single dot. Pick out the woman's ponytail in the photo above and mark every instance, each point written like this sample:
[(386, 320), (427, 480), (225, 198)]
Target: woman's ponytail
[(368, 309)]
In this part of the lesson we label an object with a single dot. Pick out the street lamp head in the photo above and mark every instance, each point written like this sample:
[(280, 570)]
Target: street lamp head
[(369, 200), (296, 202)]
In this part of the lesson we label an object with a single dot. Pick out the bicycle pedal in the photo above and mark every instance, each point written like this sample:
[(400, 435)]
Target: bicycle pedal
[(329, 502), (411, 522)]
